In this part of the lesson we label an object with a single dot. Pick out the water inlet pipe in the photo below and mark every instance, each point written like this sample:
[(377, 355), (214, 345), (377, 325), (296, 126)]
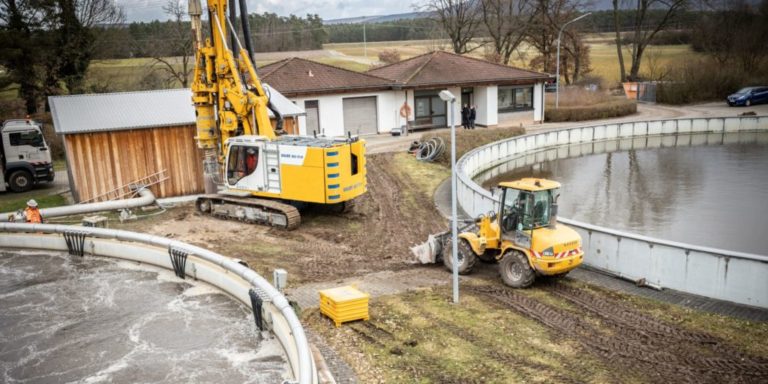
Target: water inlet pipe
[(146, 197)]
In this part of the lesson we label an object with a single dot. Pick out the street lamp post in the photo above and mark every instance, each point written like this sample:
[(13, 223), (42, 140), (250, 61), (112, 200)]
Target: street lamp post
[(448, 96), (557, 78)]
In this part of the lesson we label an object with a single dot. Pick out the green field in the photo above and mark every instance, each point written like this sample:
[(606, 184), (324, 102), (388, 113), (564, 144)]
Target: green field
[(137, 73)]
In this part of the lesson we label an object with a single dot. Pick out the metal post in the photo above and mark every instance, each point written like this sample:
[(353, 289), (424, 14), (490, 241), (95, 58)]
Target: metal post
[(454, 221), (557, 78)]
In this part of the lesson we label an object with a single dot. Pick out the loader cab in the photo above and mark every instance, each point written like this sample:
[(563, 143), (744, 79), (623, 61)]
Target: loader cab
[(527, 204)]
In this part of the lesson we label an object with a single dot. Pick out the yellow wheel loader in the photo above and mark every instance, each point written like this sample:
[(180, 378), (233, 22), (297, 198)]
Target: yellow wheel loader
[(524, 237)]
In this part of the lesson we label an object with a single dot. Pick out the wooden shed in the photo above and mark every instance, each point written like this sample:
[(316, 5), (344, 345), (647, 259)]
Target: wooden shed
[(112, 140)]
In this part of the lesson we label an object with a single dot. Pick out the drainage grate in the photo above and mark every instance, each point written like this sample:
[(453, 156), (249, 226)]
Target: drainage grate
[(75, 242), (178, 260)]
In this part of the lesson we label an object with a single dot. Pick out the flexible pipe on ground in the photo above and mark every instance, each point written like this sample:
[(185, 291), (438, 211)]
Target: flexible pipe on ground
[(146, 197)]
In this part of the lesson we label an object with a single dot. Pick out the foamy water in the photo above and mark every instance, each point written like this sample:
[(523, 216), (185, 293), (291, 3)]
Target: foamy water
[(66, 319)]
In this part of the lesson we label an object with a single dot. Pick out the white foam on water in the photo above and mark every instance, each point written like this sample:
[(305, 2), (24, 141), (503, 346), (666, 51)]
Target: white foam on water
[(105, 374)]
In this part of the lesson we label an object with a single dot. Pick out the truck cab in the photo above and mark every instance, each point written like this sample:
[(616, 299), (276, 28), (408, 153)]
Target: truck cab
[(25, 158)]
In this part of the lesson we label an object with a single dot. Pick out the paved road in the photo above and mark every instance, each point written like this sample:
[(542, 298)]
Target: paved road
[(387, 143)]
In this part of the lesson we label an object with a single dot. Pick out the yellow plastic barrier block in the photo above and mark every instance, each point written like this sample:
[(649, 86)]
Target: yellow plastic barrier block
[(344, 304)]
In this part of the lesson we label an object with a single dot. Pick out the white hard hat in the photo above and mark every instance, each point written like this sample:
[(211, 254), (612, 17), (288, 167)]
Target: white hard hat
[(32, 203)]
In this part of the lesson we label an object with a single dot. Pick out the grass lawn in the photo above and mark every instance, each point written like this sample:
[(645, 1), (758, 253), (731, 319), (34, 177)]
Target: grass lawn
[(10, 201)]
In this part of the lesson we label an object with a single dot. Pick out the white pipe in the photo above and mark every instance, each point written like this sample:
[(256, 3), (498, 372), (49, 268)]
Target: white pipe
[(306, 365), (146, 197)]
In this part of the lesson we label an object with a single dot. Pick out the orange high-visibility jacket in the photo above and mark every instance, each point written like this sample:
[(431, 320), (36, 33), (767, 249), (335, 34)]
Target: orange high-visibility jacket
[(33, 215)]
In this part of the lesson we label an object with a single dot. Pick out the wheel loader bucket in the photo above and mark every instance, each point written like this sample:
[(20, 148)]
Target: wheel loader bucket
[(428, 252)]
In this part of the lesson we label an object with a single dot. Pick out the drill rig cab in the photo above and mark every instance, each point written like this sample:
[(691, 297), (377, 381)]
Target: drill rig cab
[(523, 237), (266, 174)]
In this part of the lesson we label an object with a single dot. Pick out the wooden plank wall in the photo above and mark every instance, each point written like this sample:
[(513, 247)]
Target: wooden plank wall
[(290, 125), (102, 161)]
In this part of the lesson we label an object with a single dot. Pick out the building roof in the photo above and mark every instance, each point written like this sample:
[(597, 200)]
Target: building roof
[(448, 69), (136, 110), (295, 76), (531, 184)]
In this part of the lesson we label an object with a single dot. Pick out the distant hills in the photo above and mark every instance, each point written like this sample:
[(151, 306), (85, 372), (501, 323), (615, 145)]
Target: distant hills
[(378, 19)]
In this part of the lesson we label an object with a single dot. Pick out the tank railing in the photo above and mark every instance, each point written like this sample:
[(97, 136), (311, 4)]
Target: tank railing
[(306, 370), (721, 274)]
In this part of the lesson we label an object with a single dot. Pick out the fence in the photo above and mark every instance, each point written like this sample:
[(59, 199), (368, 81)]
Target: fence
[(721, 274)]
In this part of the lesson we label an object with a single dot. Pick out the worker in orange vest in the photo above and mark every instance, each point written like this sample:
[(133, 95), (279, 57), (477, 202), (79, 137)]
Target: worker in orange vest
[(32, 213)]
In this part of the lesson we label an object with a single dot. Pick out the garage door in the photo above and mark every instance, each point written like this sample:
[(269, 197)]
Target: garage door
[(360, 115)]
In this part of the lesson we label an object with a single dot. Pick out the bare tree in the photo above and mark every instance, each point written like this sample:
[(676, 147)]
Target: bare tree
[(459, 18), (542, 35), (507, 23), (178, 67), (644, 28)]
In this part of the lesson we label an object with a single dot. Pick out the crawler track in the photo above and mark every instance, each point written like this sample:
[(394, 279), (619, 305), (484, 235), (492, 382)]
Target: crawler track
[(619, 334), (250, 210)]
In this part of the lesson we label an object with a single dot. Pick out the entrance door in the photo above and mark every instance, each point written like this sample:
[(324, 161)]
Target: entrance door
[(430, 112), (467, 96), (313, 116), (360, 115)]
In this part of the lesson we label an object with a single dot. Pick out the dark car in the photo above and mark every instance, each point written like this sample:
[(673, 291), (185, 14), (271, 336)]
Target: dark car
[(748, 96)]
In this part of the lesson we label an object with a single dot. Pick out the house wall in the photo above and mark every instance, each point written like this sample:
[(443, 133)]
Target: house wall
[(487, 102), (331, 111), (102, 161)]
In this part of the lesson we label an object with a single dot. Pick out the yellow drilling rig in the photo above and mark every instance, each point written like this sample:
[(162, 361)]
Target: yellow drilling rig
[(267, 175)]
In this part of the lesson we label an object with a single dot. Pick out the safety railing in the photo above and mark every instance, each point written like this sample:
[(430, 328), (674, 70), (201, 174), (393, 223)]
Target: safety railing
[(721, 274), (185, 260)]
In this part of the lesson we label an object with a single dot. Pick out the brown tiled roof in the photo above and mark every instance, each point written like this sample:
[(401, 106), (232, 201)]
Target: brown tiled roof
[(443, 68), (295, 76)]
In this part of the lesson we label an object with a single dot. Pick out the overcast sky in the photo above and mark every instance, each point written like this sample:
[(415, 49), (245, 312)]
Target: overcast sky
[(147, 10)]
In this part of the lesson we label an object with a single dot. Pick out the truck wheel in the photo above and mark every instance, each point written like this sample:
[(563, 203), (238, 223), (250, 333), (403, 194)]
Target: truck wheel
[(20, 181), (466, 256), (515, 270)]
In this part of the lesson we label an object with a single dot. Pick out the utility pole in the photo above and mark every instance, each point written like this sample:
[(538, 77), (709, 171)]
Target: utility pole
[(557, 79), (447, 96)]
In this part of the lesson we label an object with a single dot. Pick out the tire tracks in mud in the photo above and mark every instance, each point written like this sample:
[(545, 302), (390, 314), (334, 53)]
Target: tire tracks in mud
[(650, 348)]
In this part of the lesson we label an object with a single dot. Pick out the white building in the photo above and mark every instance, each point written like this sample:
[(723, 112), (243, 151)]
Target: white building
[(338, 101)]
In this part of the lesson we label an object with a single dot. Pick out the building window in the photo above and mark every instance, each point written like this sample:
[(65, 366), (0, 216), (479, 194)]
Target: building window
[(515, 99)]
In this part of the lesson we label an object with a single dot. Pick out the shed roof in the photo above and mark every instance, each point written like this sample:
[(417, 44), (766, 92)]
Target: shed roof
[(136, 110), (296, 76), (443, 68)]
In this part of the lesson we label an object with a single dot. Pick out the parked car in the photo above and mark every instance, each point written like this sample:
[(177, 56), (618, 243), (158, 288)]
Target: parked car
[(748, 96)]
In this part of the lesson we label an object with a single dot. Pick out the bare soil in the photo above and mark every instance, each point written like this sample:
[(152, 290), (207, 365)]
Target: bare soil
[(375, 236), (612, 331)]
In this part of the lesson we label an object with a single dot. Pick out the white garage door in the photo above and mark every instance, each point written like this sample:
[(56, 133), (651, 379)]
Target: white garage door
[(360, 115)]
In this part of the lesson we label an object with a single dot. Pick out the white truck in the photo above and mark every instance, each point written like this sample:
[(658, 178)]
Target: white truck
[(25, 159)]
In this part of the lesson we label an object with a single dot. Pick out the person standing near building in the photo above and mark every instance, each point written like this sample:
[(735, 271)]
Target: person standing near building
[(472, 116), (465, 116)]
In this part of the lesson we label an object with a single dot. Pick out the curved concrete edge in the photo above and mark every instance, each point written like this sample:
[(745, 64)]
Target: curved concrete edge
[(721, 274), (208, 266)]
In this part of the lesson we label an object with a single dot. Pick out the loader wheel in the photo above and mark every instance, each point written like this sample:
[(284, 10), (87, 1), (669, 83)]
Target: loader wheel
[(466, 256), (515, 271)]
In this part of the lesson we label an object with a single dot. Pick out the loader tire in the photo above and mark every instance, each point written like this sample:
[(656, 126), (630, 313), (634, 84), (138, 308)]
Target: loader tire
[(515, 270), (466, 255)]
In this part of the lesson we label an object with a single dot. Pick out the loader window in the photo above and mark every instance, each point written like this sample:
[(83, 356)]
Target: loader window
[(541, 205), (242, 161)]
